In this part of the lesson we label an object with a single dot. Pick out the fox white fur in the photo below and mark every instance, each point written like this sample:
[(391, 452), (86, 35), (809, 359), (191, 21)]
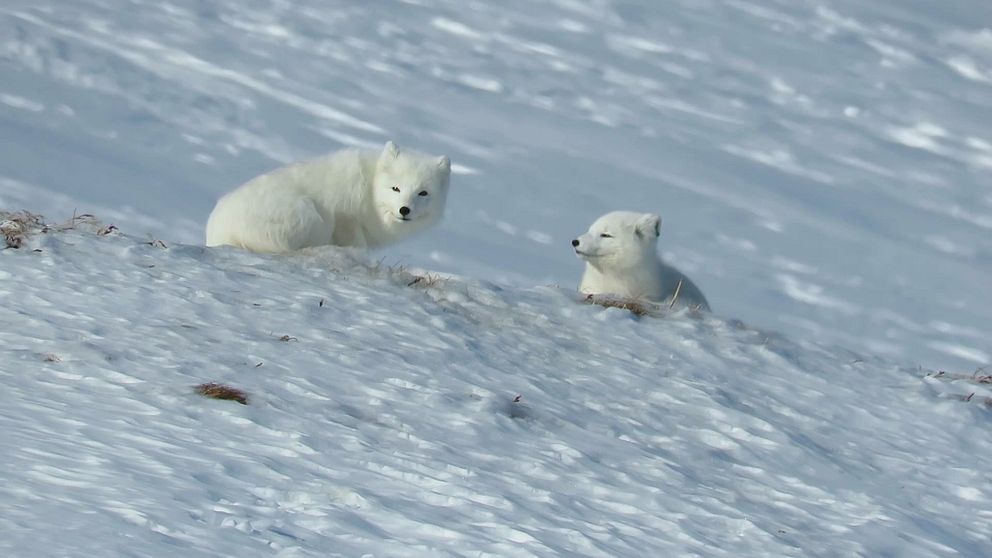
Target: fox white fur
[(621, 254), (360, 198)]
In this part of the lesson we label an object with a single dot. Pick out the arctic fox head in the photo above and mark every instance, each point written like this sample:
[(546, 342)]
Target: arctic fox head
[(409, 189), (619, 240)]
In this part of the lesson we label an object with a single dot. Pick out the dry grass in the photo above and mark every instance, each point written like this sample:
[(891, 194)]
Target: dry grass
[(221, 391), (401, 274), (977, 377), (15, 227), (426, 281), (81, 221), (987, 401), (675, 297), (640, 307), (634, 306)]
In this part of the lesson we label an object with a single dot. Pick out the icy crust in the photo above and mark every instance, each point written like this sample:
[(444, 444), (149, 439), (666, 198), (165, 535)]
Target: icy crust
[(397, 416)]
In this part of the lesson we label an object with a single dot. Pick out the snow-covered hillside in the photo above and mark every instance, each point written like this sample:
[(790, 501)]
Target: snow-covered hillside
[(382, 420), (823, 171), (822, 167)]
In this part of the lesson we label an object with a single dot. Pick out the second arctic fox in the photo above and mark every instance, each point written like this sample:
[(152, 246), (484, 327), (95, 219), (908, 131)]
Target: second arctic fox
[(621, 254)]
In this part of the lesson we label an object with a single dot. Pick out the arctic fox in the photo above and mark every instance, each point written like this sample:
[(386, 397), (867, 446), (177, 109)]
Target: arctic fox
[(621, 257), (352, 197)]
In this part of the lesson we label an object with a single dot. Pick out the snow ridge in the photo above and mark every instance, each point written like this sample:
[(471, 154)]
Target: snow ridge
[(391, 416)]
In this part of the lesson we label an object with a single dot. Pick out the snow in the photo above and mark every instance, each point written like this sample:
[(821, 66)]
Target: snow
[(822, 173), (381, 419)]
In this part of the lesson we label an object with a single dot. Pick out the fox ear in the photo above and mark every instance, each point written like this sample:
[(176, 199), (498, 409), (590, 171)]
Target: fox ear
[(390, 151), (649, 224), (444, 163)]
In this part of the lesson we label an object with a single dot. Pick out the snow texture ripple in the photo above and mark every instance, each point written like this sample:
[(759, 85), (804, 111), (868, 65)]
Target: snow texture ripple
[(822, 167), (446, 417)]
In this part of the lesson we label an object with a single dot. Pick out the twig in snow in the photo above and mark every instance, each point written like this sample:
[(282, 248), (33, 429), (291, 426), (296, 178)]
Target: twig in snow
[(156, 243), (678, 289)]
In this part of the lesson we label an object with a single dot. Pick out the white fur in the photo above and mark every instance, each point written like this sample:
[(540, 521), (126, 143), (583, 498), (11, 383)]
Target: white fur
[(621, 254), (346, 198)]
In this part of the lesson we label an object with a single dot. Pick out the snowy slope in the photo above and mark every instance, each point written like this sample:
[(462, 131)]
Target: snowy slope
[(385, 423), (822, 167)]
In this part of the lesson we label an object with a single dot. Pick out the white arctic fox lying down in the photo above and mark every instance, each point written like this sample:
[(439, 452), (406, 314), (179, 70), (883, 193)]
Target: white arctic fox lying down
[(621, 257), (353, 197)]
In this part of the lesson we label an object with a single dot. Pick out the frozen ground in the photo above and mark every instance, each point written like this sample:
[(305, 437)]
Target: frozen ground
[(384, 422), (823, 172)]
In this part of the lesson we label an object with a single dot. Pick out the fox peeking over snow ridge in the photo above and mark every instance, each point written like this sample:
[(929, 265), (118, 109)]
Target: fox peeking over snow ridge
[(621, 254)]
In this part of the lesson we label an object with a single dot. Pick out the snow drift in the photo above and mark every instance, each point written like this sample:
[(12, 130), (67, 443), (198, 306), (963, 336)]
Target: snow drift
[(398, 413)]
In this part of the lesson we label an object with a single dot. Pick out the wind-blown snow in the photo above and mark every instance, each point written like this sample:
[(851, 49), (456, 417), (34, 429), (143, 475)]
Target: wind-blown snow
[(822, 170), (822, 167), (384, 422)]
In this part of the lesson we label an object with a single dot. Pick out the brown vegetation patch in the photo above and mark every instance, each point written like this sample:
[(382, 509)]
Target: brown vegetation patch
[(221, 391), (634, 306), (15, 227)]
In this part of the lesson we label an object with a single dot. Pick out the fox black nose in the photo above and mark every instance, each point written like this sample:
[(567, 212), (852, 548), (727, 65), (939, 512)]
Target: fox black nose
[(404, 211), (575, 242)]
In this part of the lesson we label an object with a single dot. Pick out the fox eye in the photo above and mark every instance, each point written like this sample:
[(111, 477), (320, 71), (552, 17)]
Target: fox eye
[(606, 235), (396, 189), (422, 193)]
